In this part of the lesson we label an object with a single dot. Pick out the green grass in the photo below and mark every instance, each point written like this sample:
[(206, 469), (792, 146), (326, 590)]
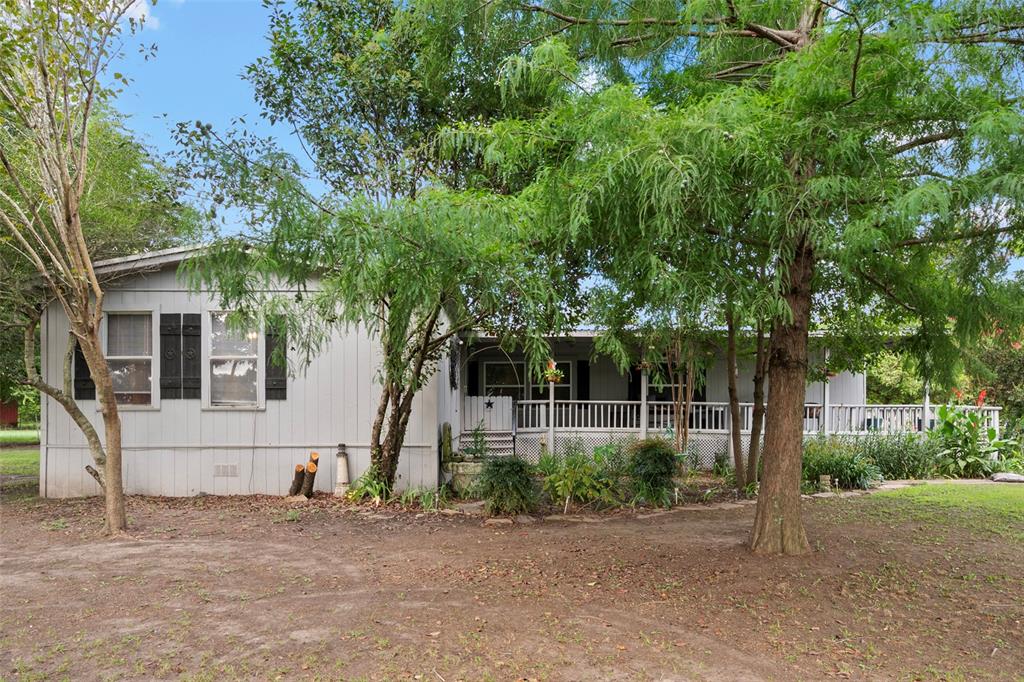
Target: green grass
[(19, 436), (987, 507), (19, 461)]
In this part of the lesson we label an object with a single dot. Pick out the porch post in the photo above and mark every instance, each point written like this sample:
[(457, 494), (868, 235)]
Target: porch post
[(551, 417), (926, 408), (643, 403), (826, 417)]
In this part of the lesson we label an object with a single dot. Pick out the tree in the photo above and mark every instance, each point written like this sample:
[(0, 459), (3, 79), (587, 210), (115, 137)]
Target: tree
[(863, 145), (365, 86), (56, 206)]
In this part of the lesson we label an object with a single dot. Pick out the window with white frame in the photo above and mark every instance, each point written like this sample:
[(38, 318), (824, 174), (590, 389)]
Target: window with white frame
[(130, 357), (505, 378), (234, 364), (563, 389)]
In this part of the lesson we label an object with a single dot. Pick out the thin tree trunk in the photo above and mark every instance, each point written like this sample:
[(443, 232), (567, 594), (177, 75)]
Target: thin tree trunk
[(757, 417), (734, 399), (65, 397), (778, 527), (688, 397), (116, 519)]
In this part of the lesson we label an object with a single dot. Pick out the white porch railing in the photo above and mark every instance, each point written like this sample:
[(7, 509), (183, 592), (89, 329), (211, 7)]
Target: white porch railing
[(628, 416)]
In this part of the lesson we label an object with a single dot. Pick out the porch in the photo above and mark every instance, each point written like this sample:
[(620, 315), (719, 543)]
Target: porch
[(527, 427)]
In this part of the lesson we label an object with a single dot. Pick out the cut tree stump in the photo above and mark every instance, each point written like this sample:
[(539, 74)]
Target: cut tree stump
[(314, 457), (307, 481), (300, 476)]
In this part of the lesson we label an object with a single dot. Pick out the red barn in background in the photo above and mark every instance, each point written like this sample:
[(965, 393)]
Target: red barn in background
[(8, 414)]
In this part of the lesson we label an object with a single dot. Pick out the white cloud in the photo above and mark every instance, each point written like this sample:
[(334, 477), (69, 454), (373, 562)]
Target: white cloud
[(141, 11)]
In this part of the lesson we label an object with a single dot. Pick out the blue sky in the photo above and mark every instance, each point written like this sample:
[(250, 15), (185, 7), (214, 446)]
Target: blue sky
[(203, 47)]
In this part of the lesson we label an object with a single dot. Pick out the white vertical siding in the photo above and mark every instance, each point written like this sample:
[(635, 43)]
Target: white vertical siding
[(173, 450)]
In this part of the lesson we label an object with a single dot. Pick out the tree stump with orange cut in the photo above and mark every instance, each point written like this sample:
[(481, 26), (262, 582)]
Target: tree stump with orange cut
[(307, 480), (297, 480)]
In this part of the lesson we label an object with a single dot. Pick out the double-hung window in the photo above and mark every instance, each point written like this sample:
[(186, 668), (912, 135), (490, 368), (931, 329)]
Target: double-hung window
[(505, 378), (130, 357), (234, 364)]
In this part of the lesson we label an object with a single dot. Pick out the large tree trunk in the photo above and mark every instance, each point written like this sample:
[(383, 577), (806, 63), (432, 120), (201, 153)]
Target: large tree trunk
[(757, 418), (734, 399), (778, 528), (116, 519)]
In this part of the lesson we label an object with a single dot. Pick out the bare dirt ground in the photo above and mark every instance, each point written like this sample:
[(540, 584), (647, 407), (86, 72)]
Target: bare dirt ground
[(245, 588)]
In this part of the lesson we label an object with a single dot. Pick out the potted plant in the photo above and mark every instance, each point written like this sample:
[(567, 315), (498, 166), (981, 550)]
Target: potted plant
[(552, 374)]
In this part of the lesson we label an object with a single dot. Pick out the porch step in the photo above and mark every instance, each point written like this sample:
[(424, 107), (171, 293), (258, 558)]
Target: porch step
[(497, 442)]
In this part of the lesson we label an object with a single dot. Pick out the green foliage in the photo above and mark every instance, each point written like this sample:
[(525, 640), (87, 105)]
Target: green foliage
[(842, 459), (892, 381), (507, 486), (899, 456), (613, 459), (996, 365), (477, 448), (967, 449), (548, 464), (370, 487), (652, 465), (581, 479), (428, 499)]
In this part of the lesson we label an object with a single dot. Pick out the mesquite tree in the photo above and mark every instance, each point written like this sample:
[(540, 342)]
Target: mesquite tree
[(878, 146), (366, 85), (54, 58)]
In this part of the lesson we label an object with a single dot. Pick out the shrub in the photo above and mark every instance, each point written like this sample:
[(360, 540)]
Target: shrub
[(506, 484), (548, 464), (841, 459), (652, 465), (900, 456), (966, 448), (579, 478), (612, 460), (369, 487)]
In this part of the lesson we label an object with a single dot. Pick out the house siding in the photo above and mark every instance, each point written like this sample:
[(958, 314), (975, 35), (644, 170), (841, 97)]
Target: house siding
[(173, 450)]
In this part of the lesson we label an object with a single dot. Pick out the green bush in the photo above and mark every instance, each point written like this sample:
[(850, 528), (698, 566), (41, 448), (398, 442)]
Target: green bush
[(652, 465), (581, 479), (506, 485), (967, 449), (900, 456), (840, 458), (612, 460)]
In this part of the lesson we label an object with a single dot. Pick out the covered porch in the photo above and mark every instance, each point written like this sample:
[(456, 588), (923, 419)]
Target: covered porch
[(596, 403)]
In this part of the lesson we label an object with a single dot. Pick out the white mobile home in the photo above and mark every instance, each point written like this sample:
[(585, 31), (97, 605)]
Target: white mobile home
[(204, 411)]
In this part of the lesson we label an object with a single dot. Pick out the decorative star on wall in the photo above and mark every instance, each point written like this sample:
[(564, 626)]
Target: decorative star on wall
[(489, 404)]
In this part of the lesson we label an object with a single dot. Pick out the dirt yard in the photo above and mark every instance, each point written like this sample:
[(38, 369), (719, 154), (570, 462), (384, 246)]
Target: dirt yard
[(245, 588)]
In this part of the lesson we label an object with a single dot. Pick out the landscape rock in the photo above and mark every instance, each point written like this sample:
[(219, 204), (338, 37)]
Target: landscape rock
[(471, 508), (301, 499), (1007, 477), (498, 521), (525, 519)]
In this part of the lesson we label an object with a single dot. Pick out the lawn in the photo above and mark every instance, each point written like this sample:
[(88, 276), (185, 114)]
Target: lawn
[(19, 461), (19, 437), (909, 585), (983, 508)]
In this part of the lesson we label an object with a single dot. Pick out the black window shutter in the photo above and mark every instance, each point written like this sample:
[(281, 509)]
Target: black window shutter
[(84, 387), (473, 378), (582, 380), (634, 384), (276, 367), (170, 356), (191, 356)]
